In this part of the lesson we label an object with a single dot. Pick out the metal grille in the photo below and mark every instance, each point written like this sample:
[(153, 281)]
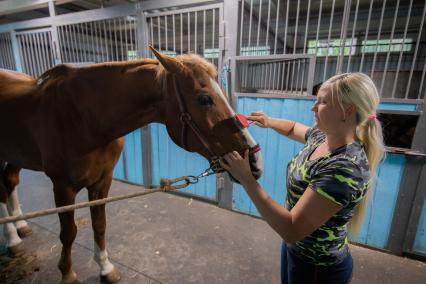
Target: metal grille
[(286, 75), (99, 41), (6, 56), (194, 30), (35, 51), (384, 39)]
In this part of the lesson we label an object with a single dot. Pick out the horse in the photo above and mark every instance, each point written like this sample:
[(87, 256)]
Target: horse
[(70, 123)]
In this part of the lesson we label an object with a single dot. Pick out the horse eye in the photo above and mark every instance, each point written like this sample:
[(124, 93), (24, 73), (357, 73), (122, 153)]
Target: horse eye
[(205, 100)]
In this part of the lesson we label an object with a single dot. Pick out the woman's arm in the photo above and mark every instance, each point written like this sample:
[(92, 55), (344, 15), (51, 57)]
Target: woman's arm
[(310, 212), (292, 129)]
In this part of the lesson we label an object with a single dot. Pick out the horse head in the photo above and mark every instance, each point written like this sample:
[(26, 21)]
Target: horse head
[(199, 117)]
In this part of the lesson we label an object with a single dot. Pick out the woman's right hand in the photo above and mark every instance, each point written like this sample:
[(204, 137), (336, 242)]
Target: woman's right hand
[(260, 119)]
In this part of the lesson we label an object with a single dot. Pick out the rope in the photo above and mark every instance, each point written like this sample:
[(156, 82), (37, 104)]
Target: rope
[(165, 185)]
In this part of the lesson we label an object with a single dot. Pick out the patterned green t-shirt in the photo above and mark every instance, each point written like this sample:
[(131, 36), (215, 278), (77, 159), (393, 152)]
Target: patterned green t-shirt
[(341, 176)]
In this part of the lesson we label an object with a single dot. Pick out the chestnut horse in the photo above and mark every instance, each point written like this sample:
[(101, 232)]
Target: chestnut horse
[(69, 123)]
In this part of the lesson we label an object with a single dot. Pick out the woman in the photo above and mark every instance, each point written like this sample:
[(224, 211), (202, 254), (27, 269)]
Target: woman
[(326, 180)]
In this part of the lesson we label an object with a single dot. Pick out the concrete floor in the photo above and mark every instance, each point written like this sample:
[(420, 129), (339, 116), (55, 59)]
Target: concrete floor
[(164, 238)]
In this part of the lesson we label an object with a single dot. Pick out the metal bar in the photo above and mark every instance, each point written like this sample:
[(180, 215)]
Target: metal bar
[(378, 38), (258, 23), (37, 45), (318, 27), (415, 56), (195, 32), (390, 46), (62, 54), (86, 43), (189, 31), (311, 74), (96, 40), (36, 40), (174, 33), (366, 35), (52, 61), (116, 40), (282, 76), (328, 40), (45, 51), (74, 43), (159, 33), (186, 10), (251, 16), (400, 52), (353, 35), (285, 30), (6, 56), (296, 26), (64, 45), (267, 23), (17, 51), (102, 39), (79, 43), (181, 33), (106, 39), (213, 32), (21, 43), (274, 75), (288, 75), (345, 21), (304, 44), (166, 35), (204, 31), (32, 55), (241, 25), (295, 41), (283, 95), (126, 43), (276, 27)]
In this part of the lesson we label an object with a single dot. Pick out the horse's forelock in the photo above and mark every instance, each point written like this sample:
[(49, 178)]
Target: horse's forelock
[(198, 65)]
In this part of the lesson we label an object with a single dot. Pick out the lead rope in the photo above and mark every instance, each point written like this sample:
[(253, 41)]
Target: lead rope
[(165, 185)]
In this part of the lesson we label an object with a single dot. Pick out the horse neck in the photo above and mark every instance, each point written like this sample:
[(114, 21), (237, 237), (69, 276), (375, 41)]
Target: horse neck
[(117, 98)]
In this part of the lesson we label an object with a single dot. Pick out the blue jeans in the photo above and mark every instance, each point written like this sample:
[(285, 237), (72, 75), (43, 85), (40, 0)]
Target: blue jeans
[(295, 270)]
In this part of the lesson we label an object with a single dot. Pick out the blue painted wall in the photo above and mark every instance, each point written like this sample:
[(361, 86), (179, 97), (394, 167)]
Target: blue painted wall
[(171, 161), (277, 150), (132, 170), (381, 203)]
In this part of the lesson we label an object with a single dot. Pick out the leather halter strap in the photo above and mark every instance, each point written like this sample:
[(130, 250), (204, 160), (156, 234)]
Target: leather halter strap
[(186, 120)]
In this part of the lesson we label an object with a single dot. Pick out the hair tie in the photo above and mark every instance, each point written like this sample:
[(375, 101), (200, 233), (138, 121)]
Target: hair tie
[(372, 117)]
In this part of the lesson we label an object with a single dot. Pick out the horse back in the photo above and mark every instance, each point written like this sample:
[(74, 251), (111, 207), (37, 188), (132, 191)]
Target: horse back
[(14, 84)]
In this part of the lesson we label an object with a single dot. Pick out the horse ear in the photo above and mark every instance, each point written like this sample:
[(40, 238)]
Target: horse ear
[(168, 62)]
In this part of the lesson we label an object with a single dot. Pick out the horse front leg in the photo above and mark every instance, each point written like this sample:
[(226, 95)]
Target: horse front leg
[(11, 178), (65, 195), (99, 190), (13, 241)]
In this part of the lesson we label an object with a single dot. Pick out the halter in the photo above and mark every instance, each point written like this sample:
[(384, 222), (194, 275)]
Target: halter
[(235, 123)]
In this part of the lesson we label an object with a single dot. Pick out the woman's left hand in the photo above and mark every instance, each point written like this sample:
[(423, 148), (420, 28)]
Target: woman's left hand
[(238, 166)]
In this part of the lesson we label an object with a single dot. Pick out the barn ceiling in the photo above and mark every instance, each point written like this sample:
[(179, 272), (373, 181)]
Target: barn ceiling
[(21, 10)]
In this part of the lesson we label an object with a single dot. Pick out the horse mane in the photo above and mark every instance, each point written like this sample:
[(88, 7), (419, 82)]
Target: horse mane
[(195, 62)]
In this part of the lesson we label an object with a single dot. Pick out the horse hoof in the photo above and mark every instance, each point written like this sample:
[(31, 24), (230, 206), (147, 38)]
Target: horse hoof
[(25, 231), (70, 278), (112, 277), (17, 250)]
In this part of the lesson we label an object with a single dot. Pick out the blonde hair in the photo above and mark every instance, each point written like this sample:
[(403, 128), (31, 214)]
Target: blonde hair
[(359, 90)]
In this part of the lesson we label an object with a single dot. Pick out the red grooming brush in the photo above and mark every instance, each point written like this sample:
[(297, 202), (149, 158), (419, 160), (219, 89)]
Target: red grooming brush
[(245, 122)]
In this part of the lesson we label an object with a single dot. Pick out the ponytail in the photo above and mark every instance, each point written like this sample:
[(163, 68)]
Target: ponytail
[(371, 137)]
